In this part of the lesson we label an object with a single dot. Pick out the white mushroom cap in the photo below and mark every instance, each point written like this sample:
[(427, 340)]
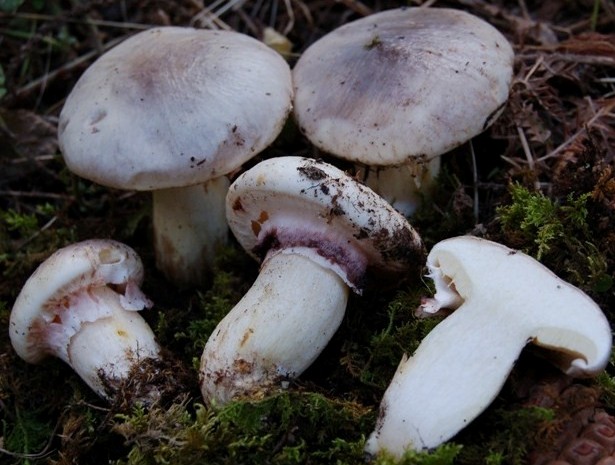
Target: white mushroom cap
[(174, 110), (401, 84), (81, 305), (174, 106), (310, 207), (504, 299)]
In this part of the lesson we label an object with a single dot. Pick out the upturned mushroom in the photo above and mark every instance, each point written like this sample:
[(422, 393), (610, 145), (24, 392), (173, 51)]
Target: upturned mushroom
[(173, 110), (502, 300), (394, 91), (81, 305), (318, 233)]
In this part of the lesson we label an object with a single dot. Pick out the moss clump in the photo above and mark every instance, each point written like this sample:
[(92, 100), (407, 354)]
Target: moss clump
[(25, 432), (185, 327), (540, 221), (288, 427), (513, 434), (26, 238), (442, 455), (211, 307), (556, 233), (374, 344)]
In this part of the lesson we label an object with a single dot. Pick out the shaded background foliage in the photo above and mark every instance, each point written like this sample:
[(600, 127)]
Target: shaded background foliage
[(541, 180)]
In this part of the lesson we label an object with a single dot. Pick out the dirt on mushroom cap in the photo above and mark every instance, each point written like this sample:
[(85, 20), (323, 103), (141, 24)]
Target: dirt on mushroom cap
[(300, 202)]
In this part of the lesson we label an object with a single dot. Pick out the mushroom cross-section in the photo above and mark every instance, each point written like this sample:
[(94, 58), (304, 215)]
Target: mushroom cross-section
[(393, 91), (81, 305), (318, 233), (502, 300), (174, 110)]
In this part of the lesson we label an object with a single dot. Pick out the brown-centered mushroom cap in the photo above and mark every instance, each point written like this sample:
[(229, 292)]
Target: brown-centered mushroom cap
[(174, 106), (402, 83)]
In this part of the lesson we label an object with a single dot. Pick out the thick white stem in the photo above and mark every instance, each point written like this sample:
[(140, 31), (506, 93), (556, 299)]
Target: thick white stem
[(189, 226), (103, 351), (406, 186), (277, 329), (456, 372)]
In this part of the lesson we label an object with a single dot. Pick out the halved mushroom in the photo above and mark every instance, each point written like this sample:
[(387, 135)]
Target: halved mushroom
[(503, 300), (81, 305), (318, 233)]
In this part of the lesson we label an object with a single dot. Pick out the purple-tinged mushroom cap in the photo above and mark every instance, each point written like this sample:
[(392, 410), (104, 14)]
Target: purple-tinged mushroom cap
[(399, 88), (311, 207)]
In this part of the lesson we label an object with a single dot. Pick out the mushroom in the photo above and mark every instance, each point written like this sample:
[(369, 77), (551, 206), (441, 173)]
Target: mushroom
[(318, 233), (395, 90), (173, 110), (502, 300), (81, 305)]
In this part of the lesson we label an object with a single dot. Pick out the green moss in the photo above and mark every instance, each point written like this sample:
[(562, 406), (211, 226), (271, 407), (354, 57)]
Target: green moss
[(556, 233), (442, 455), (606, 380), (228, 285), (22, 223), (288, 427), (507, 435), (26, 239), (24, 432), (541, 221), (375, 344)]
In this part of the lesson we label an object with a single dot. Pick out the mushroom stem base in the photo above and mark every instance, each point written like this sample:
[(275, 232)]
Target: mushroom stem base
[(103, 352)]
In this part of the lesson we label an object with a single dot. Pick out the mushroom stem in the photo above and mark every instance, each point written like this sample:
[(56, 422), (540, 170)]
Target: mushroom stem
[(276, 330), (104, 351), (189, 226), (435, 392), (406, 186)]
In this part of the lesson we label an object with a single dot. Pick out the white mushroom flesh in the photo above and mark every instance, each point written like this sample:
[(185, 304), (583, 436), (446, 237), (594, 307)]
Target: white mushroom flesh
[(103, 351), (505, 300)]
